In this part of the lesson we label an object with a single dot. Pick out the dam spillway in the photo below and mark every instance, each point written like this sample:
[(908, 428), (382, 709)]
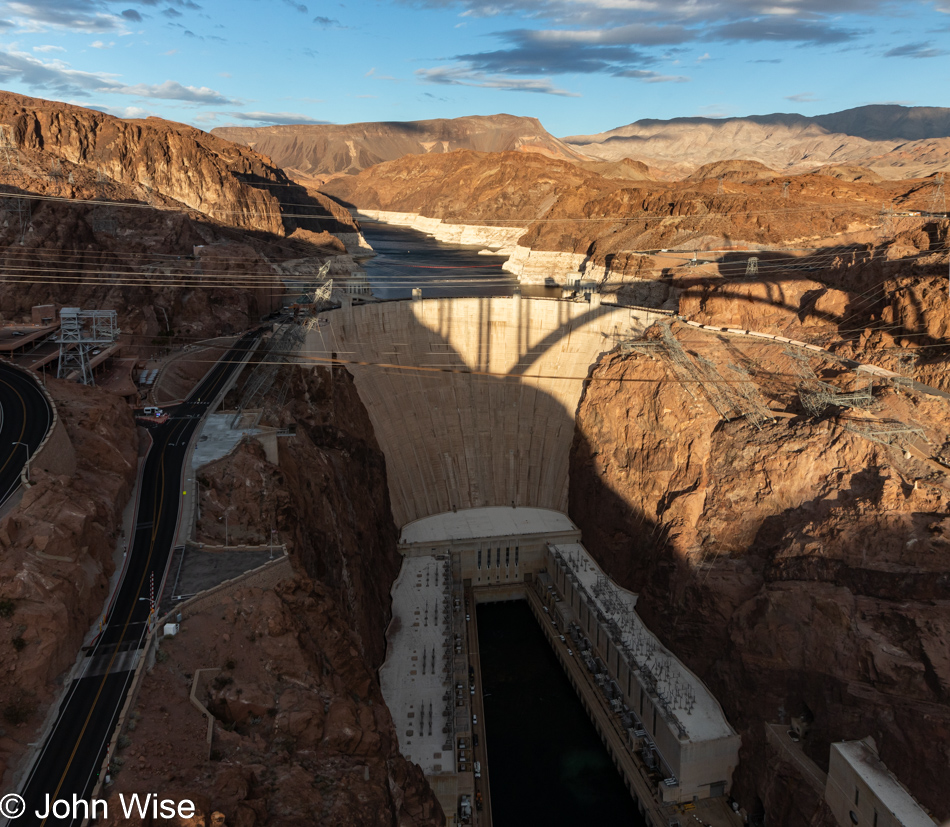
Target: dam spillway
[(472, 400)]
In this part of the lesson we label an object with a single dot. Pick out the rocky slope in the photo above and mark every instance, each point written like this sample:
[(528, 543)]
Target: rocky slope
[(227, 182), (302, 732), (798, 568), (894, 141), (175, 229), (324, 151), (58, 546), (581, 224)]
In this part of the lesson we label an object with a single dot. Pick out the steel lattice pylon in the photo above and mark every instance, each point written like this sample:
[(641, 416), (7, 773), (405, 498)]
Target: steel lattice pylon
[(80, 331)]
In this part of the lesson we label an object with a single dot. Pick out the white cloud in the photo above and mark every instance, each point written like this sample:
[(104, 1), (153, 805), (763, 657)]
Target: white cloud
[(276, 118), (98, 44), (459, 76), (48, 49), (59, 77)]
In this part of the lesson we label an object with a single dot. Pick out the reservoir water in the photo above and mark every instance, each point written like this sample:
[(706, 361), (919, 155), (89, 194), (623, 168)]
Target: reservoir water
[(407, 258), (546, 762)]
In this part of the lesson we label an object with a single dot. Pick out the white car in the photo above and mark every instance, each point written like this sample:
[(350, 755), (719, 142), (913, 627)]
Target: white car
[(474, 720), (570, 653)]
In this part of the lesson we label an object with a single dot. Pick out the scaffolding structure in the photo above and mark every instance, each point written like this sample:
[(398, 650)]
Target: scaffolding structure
[(280, 350), (689, 375), (816, 400), (938, 201), (80, 332)]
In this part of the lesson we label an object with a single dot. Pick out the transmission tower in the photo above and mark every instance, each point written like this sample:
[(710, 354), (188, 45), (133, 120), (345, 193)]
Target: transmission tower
[(752, 266), (80, 331), (9, 152), (938, 201), (887, 221), (785, 187), (719, 189)]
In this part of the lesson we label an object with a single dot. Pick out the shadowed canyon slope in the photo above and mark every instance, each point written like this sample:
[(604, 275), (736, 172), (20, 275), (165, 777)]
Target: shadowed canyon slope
[(322, 151), (798, 566), (894, 141)]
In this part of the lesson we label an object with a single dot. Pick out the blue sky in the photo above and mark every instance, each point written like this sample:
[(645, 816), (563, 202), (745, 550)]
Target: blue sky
[(580, 66)]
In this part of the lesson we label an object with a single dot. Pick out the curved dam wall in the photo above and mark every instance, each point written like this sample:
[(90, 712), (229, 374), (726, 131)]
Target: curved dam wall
[(473, 400)]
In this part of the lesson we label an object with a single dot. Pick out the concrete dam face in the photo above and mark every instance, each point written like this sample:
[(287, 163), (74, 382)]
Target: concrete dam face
[(473, 400)]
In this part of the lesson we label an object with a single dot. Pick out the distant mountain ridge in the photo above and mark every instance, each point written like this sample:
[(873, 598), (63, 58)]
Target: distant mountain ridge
[(324, 151), (895, 141)]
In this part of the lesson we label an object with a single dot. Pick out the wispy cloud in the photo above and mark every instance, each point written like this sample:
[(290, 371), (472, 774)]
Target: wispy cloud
[(460, 76), (275, 118), (48, 49), (632, 38), (918, 50), (98, 44), (297, 6), (57, 76), (803, 97)]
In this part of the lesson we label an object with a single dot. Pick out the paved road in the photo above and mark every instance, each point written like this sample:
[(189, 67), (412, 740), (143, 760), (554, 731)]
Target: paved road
[(73, 753), (25, 416)]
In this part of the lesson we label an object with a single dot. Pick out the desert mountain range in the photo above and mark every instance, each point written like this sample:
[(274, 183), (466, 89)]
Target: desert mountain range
[(321, 151), (889, 140), (893, 141)]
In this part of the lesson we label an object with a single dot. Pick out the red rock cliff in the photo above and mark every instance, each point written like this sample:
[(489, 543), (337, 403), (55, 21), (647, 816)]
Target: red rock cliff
[(800, 568)]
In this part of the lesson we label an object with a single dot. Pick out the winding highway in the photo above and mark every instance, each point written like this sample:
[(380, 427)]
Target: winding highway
[(25, 419), (72, 755)]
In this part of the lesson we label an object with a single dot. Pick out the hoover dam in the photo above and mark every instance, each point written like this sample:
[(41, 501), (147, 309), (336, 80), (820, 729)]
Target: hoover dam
[(472, 400)]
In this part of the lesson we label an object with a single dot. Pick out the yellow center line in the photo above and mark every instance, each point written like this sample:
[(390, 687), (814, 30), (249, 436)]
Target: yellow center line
[(160, 493), (22, 429)]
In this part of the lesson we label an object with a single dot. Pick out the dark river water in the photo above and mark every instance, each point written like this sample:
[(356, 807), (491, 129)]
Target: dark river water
[(547, 764), (406, 258)]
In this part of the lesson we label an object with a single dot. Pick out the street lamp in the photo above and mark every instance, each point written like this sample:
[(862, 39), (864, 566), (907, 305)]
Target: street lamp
[(27, 458), (226, 512)]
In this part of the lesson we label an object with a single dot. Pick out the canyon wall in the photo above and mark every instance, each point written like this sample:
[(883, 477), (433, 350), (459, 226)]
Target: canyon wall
[(301, 734), (58, 547), (798, 565), (472, 400)]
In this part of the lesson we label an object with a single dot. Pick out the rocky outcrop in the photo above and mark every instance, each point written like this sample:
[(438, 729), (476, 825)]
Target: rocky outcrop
[(798, 567), (323, 151), (173, 228), (227, 182), (58, 547)]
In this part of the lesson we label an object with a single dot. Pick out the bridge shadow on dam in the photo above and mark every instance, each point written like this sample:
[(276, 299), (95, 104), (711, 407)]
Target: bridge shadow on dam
[(473, 400)]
